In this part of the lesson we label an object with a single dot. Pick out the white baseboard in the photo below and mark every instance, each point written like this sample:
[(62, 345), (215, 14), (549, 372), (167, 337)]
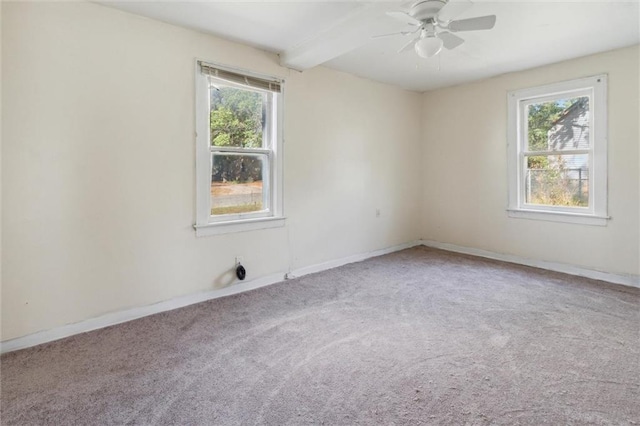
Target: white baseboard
[(179, 302), (628, 280), (346, 260), (114, 318)]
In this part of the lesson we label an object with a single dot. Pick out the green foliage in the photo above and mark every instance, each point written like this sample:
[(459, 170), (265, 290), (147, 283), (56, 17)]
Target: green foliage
[(236, 121), (538, 162), (553, 186), (541, 118), (236, 118), (236, 168)]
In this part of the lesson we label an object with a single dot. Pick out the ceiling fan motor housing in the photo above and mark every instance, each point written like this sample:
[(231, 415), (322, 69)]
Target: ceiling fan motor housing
[(426, 9)]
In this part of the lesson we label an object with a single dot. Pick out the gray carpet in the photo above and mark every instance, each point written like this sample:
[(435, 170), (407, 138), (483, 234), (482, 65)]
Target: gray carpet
[(415, 337)]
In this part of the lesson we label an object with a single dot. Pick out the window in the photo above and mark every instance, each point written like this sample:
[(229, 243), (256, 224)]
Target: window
[(558, 152), (238, 150)]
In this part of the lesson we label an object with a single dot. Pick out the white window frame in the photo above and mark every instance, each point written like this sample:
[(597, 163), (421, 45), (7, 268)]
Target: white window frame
[(207, 224), (517, 100)]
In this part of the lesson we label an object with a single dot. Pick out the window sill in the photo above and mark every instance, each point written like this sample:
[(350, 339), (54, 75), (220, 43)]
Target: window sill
[(565, 217), (238, 226)]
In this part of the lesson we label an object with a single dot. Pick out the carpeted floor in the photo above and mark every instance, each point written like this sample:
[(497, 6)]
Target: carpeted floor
[(415, 337)]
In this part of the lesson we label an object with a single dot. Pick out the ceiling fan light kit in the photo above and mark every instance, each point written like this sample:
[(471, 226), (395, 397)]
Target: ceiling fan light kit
[(433, 19), (428, 47)]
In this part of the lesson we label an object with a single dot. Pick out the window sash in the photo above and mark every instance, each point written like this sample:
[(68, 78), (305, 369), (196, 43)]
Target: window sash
[(268, 142), (267, 182), (523, 105), (524, 151), (525, 182), (595, 88), (205, 223), (269, 134), (240, 150), (564, 152), (522, 173)]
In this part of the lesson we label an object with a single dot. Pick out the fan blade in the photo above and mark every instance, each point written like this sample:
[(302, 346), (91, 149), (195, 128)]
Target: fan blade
[(404, 33), (450, 41), (404, 17), (473, 24), (386, 35), (408, 45), (453, 9)]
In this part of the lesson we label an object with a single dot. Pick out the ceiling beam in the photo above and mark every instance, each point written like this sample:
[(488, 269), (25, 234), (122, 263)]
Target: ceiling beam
[(352, 31)]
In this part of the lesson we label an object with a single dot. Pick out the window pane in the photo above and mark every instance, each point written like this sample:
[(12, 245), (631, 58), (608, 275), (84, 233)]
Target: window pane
[(559, 125), (238, 117), (237, 183), (557, 180)]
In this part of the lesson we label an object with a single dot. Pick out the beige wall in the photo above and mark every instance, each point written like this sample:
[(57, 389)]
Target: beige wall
[(98, 166), (0, 172), (465, 170)]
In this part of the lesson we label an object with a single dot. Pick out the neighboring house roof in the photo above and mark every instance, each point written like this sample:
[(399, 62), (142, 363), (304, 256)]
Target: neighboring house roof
[(571, 129)]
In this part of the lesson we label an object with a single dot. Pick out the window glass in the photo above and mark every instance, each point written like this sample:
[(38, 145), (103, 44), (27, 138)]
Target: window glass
[(557, 180), (238, 184), (237, 117), (559, 124)]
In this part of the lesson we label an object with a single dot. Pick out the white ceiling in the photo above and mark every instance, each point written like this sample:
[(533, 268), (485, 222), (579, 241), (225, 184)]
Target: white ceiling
[(338, 34)]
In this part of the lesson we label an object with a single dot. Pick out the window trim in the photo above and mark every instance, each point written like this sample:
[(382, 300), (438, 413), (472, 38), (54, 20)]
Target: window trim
[(596, 212), (205, 223)]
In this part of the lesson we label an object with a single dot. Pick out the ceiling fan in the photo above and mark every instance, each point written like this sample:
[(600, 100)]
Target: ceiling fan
[(433, 20)]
